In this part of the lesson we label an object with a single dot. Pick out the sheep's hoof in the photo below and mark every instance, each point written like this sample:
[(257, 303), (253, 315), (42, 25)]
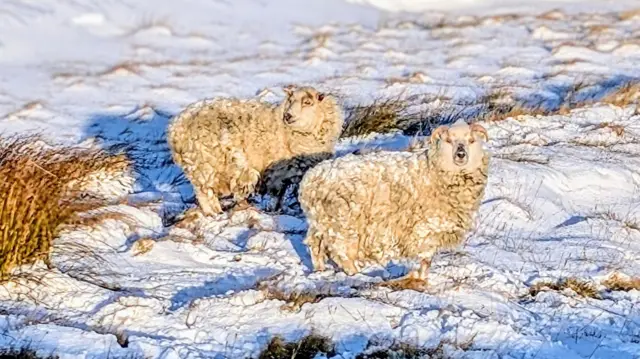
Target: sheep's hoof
[(190, 218), (241, 206), (419, 285)]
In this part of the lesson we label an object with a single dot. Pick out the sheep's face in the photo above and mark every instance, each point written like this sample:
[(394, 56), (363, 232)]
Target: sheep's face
[(301, 108), (459, 147)]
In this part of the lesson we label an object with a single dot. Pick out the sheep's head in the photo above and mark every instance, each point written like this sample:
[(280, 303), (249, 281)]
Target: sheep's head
[(301, 110), (459, 148)]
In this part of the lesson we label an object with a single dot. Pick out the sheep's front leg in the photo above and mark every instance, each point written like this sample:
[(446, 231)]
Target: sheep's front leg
[(416, 279)]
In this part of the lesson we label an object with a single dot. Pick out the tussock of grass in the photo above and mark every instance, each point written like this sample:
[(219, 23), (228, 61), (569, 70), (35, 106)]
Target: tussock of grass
[(307, 348), (385, 116), (382, 116), (624, 95), (22, 354), (294, 300), (629, 14), (408, 351), (618, 283), (582, 288), (399, 351), (37, 198)]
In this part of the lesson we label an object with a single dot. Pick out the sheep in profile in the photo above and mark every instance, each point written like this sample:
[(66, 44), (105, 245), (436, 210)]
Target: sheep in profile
[(224, 145), (396, 205)]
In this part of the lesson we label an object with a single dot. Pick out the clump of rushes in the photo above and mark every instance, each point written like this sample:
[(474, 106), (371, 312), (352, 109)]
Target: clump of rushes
[(37, 196)]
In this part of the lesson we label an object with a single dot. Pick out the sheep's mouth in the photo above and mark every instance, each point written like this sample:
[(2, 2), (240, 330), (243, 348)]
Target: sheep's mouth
[(460, 156), (288, 119)]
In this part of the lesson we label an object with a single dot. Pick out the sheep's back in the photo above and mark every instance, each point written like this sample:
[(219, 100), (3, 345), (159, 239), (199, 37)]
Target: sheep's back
[(363, 187)]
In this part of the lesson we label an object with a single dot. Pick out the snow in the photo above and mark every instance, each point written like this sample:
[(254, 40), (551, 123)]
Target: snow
[(562, 198)]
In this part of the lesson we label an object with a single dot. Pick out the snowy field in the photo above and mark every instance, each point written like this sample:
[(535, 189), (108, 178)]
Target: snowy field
[(562, 201)]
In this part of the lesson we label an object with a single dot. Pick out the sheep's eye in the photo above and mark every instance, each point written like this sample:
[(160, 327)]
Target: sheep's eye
[(448, 139), (472, 140), (306, 102)]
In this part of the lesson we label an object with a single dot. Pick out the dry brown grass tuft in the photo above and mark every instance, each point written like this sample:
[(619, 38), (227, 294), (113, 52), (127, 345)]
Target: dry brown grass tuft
[(554, 15), (498, 106), (22, 354), (617, 129), (402, 351), (408, 351), (619, 283), (294, 300), (142, 246), (580, 287), (126, 67), (624, 95), (382, 116), (629, 14), (307, 348), (36, 197)]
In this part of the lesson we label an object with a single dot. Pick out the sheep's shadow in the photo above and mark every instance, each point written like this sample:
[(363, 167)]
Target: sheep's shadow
[(219, 286), (141, 135), (277, 191)]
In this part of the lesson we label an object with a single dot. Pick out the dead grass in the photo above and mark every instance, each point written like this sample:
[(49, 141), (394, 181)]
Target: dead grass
[(294, 300), (390, 115), (625, 95), (22, 354), (36, 198), (381, 116), (580, 287), (629, 14), (619, 283), (553, 15), (617, 129), (312, 345), (399, 351), (408, 351), (307, 348)]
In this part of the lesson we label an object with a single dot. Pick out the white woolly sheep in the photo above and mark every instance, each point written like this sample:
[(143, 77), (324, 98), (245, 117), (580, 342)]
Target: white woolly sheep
[(224, 145), (385, 205)]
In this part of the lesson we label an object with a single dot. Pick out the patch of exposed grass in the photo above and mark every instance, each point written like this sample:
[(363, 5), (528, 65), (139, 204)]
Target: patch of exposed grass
[(391, 115), (617, 129), (381, 116), (293, 300), (629, 14), (36, 197), (619, 283), (398, 351), (408, 351), (22, 354), (624, 95), (580, 287), (307, 348)]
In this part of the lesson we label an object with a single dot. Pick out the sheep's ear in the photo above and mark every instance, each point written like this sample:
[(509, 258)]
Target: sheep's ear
[(478, 129), (289, 89), (320, 96), (438, 133)]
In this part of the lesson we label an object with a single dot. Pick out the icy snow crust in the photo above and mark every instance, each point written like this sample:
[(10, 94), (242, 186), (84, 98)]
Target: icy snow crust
[(562, 198)]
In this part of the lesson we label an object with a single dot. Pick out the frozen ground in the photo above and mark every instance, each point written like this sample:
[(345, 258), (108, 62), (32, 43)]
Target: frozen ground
[(562, 201)]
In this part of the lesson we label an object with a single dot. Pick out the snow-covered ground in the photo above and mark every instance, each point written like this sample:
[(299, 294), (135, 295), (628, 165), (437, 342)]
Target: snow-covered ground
[(562, 201)]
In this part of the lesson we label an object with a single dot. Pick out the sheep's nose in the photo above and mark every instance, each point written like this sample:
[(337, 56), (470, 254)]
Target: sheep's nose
[(460, 152), (287, 117)]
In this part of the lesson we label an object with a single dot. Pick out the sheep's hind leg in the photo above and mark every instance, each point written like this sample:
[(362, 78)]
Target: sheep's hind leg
[(244, 185), (415, 279), (208, 202), (316, 250), (346, 258)]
